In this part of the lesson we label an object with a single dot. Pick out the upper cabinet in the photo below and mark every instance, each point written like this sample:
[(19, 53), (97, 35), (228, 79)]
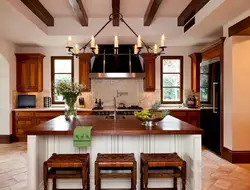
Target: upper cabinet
[(84, 70), (149, 69), (195, 71), (29, 72)]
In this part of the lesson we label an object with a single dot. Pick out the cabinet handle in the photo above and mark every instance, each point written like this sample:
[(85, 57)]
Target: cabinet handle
[(214, 108)]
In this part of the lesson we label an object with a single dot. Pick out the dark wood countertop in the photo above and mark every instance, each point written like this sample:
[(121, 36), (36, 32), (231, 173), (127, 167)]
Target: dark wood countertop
[(101, 126)]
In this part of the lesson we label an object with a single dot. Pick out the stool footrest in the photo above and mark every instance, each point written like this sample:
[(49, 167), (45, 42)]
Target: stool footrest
[(162, 188), (115, 175)]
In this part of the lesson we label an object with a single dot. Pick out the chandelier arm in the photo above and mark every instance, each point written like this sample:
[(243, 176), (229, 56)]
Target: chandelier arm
[(148, 47), (84, 47)]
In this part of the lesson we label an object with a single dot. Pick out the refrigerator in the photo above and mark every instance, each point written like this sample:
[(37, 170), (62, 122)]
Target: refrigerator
[(210, 101)]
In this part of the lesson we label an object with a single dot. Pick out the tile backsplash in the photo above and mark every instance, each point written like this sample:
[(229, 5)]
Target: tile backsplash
[(106, 90)]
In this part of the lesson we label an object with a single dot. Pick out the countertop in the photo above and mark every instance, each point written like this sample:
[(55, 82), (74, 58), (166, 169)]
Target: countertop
[(101, 126), (105, 109)]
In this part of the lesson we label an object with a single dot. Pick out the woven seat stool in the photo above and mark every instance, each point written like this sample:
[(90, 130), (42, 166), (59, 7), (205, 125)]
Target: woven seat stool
[(109, 165), (168, 165), (67, 166)]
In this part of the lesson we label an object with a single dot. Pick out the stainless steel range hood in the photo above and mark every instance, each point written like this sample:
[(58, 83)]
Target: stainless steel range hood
[(122, 66)]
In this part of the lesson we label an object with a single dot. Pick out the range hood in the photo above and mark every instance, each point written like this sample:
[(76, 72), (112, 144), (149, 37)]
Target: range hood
[(125, 65)]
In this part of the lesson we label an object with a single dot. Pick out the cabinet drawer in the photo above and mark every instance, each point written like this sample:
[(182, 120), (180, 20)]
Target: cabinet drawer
[(23, 122), (20, 132), (24, 114), (49, 114)]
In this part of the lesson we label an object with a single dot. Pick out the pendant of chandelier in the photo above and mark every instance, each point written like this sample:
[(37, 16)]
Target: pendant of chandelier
[(74, 51)]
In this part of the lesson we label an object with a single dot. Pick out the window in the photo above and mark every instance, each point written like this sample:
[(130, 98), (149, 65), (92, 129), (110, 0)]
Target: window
[(171, 79), (62, 68), (204, 83)]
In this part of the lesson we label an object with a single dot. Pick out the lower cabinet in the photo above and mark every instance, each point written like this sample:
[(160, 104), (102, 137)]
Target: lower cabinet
[(26, 119), (191, 117)]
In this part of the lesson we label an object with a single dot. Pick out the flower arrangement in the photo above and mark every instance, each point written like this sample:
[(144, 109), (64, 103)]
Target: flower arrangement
[(69, 91)]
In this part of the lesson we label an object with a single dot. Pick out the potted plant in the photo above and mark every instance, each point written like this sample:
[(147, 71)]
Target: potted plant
[(69, 91)]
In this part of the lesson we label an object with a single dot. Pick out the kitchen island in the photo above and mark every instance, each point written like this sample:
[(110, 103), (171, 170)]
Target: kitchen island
[(109, 136)]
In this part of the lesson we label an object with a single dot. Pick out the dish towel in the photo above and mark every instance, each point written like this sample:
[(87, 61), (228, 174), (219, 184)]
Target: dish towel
[(82, 136)]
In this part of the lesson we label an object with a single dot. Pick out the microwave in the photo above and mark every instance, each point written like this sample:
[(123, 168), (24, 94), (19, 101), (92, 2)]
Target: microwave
[(26, 101)]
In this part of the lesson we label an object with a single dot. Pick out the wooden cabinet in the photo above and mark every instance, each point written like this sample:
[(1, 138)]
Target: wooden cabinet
[(195, 71), (192, 117), (149, 69), (84, 70), (29, 72)]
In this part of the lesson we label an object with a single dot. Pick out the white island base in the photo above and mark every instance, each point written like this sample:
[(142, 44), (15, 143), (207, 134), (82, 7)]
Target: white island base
[(188, 147)]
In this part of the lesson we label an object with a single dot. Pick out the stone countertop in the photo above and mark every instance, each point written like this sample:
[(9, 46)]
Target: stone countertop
[(129, 126)]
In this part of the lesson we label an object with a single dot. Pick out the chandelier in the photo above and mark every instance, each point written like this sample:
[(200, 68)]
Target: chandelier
[(74, 51)]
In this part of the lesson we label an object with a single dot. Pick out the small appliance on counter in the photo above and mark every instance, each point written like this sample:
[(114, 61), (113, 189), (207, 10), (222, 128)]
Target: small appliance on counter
[(191, 101), (47, 102), (81, 102), (26, 101)]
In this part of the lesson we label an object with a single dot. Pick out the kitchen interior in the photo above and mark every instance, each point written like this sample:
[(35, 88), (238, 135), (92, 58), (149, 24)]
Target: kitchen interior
[(124, 75)]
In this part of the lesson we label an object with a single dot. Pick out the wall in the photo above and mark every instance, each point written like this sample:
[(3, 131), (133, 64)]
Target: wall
[(106, 89), (236, 101), (7, 82)]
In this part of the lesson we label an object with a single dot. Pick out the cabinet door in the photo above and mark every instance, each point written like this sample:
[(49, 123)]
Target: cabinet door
[(22, 124), (149, 69), (195, 71), (181, 115), (194, 118), (22, 76), (84, 70), (32, 78)]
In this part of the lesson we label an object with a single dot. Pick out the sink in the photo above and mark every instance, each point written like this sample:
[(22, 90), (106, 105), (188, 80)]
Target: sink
[(111, 117)]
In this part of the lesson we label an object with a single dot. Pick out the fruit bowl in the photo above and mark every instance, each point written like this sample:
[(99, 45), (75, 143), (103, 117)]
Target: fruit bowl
[(151, 116)]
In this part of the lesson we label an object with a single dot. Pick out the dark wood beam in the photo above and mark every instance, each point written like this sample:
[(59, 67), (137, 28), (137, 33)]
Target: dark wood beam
[(116, 12), (241, 28), (151, 11), (194, 7), (78, 8), (39, 10)]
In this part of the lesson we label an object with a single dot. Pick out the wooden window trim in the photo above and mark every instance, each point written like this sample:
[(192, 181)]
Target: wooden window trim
[(53, 58), (181, 79)]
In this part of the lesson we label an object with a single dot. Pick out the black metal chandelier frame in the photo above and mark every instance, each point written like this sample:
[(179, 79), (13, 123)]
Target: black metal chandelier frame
[(83, 48)]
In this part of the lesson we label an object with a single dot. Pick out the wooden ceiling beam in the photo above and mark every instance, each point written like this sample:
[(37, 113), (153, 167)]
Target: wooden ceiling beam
[(151, 11), (116, 12), (39, 10), (194, 7), (241, 28), (80, 12)]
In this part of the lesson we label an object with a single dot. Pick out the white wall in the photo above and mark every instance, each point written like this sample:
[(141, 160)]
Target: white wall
[(107, 88), (7, 83), (236, 91)]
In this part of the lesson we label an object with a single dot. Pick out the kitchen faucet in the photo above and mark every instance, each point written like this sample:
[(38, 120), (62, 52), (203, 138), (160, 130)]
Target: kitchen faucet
[(115, 107)]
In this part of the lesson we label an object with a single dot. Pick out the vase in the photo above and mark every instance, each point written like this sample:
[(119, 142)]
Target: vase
[(70, 107)]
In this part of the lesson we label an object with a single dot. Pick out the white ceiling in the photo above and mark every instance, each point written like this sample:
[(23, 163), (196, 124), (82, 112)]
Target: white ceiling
[(19, 25)]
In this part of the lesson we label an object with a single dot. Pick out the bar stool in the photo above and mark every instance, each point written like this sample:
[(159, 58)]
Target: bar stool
[(67, 166), (162, 166), (115, 162)]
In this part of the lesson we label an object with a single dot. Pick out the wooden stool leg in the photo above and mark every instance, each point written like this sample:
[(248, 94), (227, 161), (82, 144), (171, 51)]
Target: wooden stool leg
[(88, 177), (45, 176), (134, 177), (54, 184), (145, 176), (141, 174), (84, 175), (184, 176), (97, 177), (175, 181)]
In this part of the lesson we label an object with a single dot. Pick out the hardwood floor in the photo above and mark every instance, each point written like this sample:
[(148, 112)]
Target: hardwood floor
[(218, 174)]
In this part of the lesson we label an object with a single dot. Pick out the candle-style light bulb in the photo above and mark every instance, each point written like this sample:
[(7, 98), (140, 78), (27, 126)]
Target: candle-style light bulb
[(139, 42), (76, 49), (116, 44), (92, 45), (162, 40), (155, 49), (69, 43), (135, 49), (96, 49)]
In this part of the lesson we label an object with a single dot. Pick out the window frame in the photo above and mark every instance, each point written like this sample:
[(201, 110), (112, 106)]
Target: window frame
[(53, 58), (181, 79)]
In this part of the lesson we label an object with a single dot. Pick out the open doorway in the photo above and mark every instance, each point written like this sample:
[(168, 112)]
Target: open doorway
[(4, 96)]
